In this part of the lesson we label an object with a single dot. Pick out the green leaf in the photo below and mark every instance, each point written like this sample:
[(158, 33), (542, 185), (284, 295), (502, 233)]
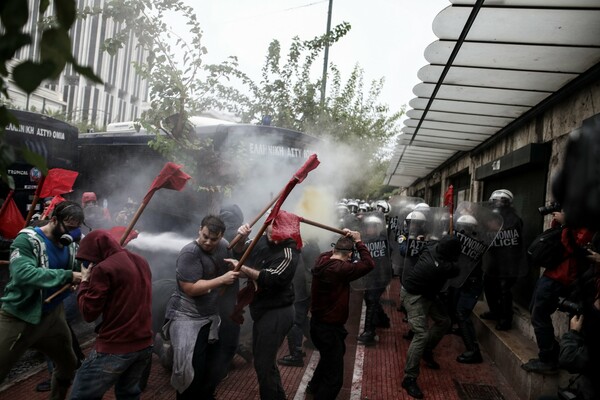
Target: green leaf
[(29, 75), (14, 14), (87, 72), (55, 48), (66, 12)]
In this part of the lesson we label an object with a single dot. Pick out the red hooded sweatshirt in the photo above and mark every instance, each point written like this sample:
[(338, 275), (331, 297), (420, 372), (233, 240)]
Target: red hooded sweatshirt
[(120, 290)]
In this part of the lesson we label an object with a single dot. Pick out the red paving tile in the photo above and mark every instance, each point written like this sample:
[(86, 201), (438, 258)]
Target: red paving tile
[(379, 379)]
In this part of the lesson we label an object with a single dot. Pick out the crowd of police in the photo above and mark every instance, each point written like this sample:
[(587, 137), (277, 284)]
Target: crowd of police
[(442, 279)]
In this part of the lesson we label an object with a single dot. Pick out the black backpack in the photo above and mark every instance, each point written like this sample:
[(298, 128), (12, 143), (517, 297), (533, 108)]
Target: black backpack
[(547, 250)]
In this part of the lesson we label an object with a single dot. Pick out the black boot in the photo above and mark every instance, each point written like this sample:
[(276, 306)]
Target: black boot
[(411, 387), (470, 357), (367, 337), (292, 360)]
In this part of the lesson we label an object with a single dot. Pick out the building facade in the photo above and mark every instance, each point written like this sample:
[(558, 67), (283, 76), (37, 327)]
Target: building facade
[(73, 97)]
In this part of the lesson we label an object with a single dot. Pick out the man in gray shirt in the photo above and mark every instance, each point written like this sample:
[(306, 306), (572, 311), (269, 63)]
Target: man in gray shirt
[(193, 311)]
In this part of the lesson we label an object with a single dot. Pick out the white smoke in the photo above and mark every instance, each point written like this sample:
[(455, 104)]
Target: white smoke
[(164, 242)]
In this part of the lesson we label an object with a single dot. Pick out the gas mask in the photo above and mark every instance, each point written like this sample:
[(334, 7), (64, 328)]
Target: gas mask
[(71, 236)]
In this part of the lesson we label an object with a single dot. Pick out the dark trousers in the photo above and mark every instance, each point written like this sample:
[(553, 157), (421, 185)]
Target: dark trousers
[(465, 300), (328, 377), (206, 376), (543, 304), (499, 296), (268, 334), (300, 328)]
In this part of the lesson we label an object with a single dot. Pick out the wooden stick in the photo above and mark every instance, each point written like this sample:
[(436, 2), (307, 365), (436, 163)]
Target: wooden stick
[(319, 225), (255, 220), (137, 215), (59, 291)]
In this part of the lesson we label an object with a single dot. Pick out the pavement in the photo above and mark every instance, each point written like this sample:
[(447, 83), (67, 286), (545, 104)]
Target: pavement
[(370, 373)]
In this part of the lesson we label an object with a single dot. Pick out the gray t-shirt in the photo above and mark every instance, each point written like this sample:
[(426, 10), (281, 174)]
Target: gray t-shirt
[(194, 264)]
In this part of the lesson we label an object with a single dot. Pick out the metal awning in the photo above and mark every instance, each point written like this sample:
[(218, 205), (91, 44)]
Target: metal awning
[(494, 61)]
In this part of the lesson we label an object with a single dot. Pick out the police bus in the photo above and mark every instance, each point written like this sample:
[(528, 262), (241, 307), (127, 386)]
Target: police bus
[(54, 140), (239, 163)]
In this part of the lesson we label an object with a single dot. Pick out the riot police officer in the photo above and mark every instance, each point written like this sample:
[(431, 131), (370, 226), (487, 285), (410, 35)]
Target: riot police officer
[(504, 262)]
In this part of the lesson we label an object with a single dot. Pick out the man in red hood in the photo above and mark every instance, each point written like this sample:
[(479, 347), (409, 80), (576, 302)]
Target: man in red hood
[(116, 285)]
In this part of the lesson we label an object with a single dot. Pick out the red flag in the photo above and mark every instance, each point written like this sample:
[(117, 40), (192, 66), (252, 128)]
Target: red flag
[(299, 176), (11, 217), (287, 226), (449, 198), (170, 177), (118, 231), (55, 201), (58, 181)]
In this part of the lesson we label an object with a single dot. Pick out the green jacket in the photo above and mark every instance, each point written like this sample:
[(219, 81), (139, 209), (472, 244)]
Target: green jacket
[(30, 274)]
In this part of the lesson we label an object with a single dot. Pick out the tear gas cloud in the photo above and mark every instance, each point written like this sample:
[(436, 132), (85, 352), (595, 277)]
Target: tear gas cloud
[(265, 167)]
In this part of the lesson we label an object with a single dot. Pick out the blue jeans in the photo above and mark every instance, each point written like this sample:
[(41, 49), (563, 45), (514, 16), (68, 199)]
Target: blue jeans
[(100, 371), (543, 304)]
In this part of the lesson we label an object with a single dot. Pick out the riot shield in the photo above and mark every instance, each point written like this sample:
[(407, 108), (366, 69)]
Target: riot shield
[(476, 226), (506, 256), (400, 207), (424, 226), (374, 236)]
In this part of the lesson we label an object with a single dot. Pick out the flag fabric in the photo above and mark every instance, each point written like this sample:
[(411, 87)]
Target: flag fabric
[(56, 200), (299, 176), (170, 177), (57, 181), (244, 297), (449, 198), (311, 163), (118, 231), (11, 217), (287, 226)]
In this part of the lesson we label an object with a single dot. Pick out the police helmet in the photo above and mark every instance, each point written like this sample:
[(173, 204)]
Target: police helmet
[(352, 206), (422, 206), (416, 216), (466, 224), (363, 207), (466, 220), (382, 206), (502, 197)]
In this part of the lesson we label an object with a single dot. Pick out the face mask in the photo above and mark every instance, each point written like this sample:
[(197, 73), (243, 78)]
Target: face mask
[(72, 236)]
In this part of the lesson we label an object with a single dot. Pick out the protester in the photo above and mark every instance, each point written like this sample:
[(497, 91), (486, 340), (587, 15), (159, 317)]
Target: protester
[(95, 216), (42, 260), (332, 274), (125, 216), (116, 285), (555, 283), (421, 285), (272, 308), (232, 216), (504, 262), (302, 283), (193, 313)]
